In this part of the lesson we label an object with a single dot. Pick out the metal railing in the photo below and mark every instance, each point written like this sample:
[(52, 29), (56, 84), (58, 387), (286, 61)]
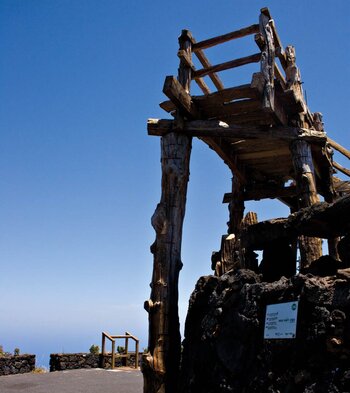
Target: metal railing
[(126, 354)]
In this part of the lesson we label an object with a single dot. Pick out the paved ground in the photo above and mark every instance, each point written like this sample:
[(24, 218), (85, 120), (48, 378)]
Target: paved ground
[(74, 381)]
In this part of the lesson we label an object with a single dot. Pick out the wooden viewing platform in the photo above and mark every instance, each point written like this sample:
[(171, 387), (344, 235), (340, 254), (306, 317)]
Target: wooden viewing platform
[(274, 146)]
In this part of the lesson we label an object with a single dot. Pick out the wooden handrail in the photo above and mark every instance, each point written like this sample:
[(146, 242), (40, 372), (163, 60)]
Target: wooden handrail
[(225, 37), (341, 168), (227, 65), (339, 147)]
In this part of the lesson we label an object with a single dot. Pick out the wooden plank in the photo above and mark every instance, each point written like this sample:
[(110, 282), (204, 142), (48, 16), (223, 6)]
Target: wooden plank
[(216, 128), (232, 108), (226, 37), (341, 169), (339, 147), (179, 96), (226, 95), (228, 65)]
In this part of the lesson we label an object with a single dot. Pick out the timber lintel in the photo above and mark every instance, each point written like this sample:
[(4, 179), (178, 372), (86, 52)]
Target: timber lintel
[(264, 193), (215, 128)]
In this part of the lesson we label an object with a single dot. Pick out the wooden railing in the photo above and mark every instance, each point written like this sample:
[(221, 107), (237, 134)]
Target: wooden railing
[(266, 38), (126, 354)]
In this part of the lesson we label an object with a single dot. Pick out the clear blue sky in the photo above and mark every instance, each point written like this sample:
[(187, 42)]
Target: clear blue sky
[(80, 178)]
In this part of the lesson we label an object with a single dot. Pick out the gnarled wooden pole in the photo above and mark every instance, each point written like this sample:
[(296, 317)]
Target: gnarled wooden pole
[(161, 363), (310, 248)]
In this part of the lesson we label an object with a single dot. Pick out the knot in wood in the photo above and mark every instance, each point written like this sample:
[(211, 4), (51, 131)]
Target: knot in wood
[(159, 220)]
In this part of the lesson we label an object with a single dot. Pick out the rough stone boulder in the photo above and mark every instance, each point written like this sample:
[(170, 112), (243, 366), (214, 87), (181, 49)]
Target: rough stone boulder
[(224, 349)]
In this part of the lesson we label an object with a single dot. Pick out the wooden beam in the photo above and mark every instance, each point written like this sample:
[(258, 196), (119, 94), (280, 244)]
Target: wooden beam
[(264, 193), (228, 65), (224, 110), (339, 147), (341, 168), (227, 95), (179, 96), (322, 220), (215, 128), (226, 37)]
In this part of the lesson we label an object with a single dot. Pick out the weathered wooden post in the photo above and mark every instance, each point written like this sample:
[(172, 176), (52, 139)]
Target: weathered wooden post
[(267, 62), (310, 247), (161, 363), (236, 205)]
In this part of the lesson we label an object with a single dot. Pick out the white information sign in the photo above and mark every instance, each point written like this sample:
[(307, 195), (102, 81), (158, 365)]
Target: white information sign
[(281, 320)]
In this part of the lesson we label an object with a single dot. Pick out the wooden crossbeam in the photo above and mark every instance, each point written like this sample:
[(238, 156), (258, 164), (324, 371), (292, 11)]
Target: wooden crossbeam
[(264, 193), (339, 147), (227, 95), (225, 37), (179, 96), (215, 128), (220, 111), (322, 220), (341, 168), (228, 65)]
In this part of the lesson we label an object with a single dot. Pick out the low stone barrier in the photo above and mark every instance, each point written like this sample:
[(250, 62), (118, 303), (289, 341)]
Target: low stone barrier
[(70, 361), (16, 364)]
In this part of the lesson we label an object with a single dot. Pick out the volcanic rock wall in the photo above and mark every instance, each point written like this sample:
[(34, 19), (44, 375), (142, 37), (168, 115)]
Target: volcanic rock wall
[(18, 364), (224, 349)]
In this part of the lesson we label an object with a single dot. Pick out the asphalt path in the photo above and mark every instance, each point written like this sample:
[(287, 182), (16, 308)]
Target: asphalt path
[(74, 381)]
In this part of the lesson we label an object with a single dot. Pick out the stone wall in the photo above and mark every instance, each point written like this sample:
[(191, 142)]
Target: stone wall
[(70, 361), (16, 364), (224, 346)]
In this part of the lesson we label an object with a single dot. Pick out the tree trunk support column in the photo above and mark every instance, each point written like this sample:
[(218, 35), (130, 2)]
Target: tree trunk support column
[(310, 248), (161, 363)]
